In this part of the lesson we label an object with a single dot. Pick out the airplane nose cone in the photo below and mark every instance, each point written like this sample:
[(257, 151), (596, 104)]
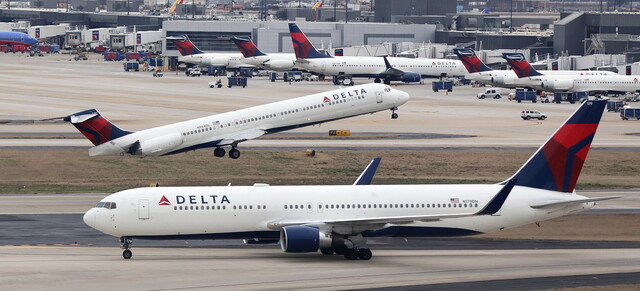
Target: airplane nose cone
[(403, 97), (89, 218)]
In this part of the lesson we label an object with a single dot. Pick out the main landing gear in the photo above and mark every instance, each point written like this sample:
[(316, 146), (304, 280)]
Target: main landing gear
[(394, 115), (349, 253), (127, 254), (233, 153)]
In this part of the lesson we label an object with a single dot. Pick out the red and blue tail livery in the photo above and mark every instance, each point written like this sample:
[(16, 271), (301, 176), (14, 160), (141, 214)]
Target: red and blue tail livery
[(95, 127), (471, 61), (247, 47), (557, 164), (519, 64), (185, 46), (302, 46)]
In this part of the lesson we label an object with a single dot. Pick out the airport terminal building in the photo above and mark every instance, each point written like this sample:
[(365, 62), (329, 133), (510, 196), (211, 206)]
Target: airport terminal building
[(273, 37)]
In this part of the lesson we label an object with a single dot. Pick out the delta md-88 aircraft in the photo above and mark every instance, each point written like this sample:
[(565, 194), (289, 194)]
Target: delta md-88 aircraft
[(231, 128), (338, 218)]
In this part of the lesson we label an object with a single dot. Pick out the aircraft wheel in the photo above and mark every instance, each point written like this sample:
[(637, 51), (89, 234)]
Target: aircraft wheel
[(394, 116), (340, 249), (351, 254), (365, 254), (219, 152), (234, 154), (127, 254), (327, 251)]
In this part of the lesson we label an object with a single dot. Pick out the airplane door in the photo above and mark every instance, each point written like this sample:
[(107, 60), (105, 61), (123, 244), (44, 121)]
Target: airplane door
[(379, 97), (143, 209)]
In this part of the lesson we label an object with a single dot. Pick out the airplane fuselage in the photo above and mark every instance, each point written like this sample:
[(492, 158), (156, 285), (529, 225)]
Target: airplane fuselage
[(373, 67), (509, 79), (16, 38), (227, 60), (275, 62)]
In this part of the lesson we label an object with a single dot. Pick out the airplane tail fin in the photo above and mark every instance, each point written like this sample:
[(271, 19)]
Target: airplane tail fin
[(302, 46), (471, 61), (185, 46), (95, 127), (247, 47), (557, 164), (519, 64)]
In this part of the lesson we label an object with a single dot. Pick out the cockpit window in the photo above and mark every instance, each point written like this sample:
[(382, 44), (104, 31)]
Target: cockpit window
[(107, 205), (387, 88)]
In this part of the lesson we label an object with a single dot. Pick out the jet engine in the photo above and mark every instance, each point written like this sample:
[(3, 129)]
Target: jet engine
[(502, 80), (409, 77), (215, 61), (303, 239), (557, 85), (281, 65), (155, 146)]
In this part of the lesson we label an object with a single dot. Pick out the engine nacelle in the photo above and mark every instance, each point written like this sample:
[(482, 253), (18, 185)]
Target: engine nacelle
[(409, 77), (282, 65), (303, 239), (557, 85), (157, 145), (502, 80), (215, 61)]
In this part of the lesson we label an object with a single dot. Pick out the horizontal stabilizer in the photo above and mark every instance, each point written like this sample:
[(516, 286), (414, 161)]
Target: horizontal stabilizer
[(569, 202)]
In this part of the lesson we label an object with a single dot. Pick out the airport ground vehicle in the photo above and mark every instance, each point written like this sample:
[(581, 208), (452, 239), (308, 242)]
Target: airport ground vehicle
[(237, 81), (571, 97), (113, 56), (193, 72), (216, 84), (345, 80), (490, 93), (522, 94), (158, 74), (442, 85), (614, 105), (528, 114), (293, 76), (131, 66), (627, 113)]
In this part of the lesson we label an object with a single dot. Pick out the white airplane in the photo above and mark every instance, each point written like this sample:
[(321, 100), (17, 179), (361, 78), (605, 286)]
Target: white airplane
[(253, 56), (338, 218), (478, 71), (232, 128), (389, 69), (593, 81), (192, 55)]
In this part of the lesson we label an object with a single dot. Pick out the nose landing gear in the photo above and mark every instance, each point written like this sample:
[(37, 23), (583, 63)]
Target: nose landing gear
[(127, 254), (394, 115)]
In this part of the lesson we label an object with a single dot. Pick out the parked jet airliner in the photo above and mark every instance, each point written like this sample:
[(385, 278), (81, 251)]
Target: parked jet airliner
[(478, 71), (232, 128), (253, 56), (16, 38), (396, 69), (610, 82), (338, 218), (192, 55)]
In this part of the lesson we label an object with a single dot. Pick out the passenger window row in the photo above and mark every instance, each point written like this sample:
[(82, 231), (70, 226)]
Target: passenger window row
[(219, 207)]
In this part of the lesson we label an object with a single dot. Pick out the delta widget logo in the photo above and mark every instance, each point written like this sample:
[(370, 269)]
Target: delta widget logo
[(164, 201)]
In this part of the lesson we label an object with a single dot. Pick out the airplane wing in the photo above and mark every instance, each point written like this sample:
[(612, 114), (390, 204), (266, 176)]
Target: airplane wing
[(367, 175), (241, 136), (492, 207), (390, 71), (552, 203)]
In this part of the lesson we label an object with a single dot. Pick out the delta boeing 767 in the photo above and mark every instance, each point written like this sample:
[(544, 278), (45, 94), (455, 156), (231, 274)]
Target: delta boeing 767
[(232, 128), (338, 218)]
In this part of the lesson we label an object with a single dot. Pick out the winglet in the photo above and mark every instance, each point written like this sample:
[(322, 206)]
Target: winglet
[(367, 175), (386, 63), (496, 203)]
